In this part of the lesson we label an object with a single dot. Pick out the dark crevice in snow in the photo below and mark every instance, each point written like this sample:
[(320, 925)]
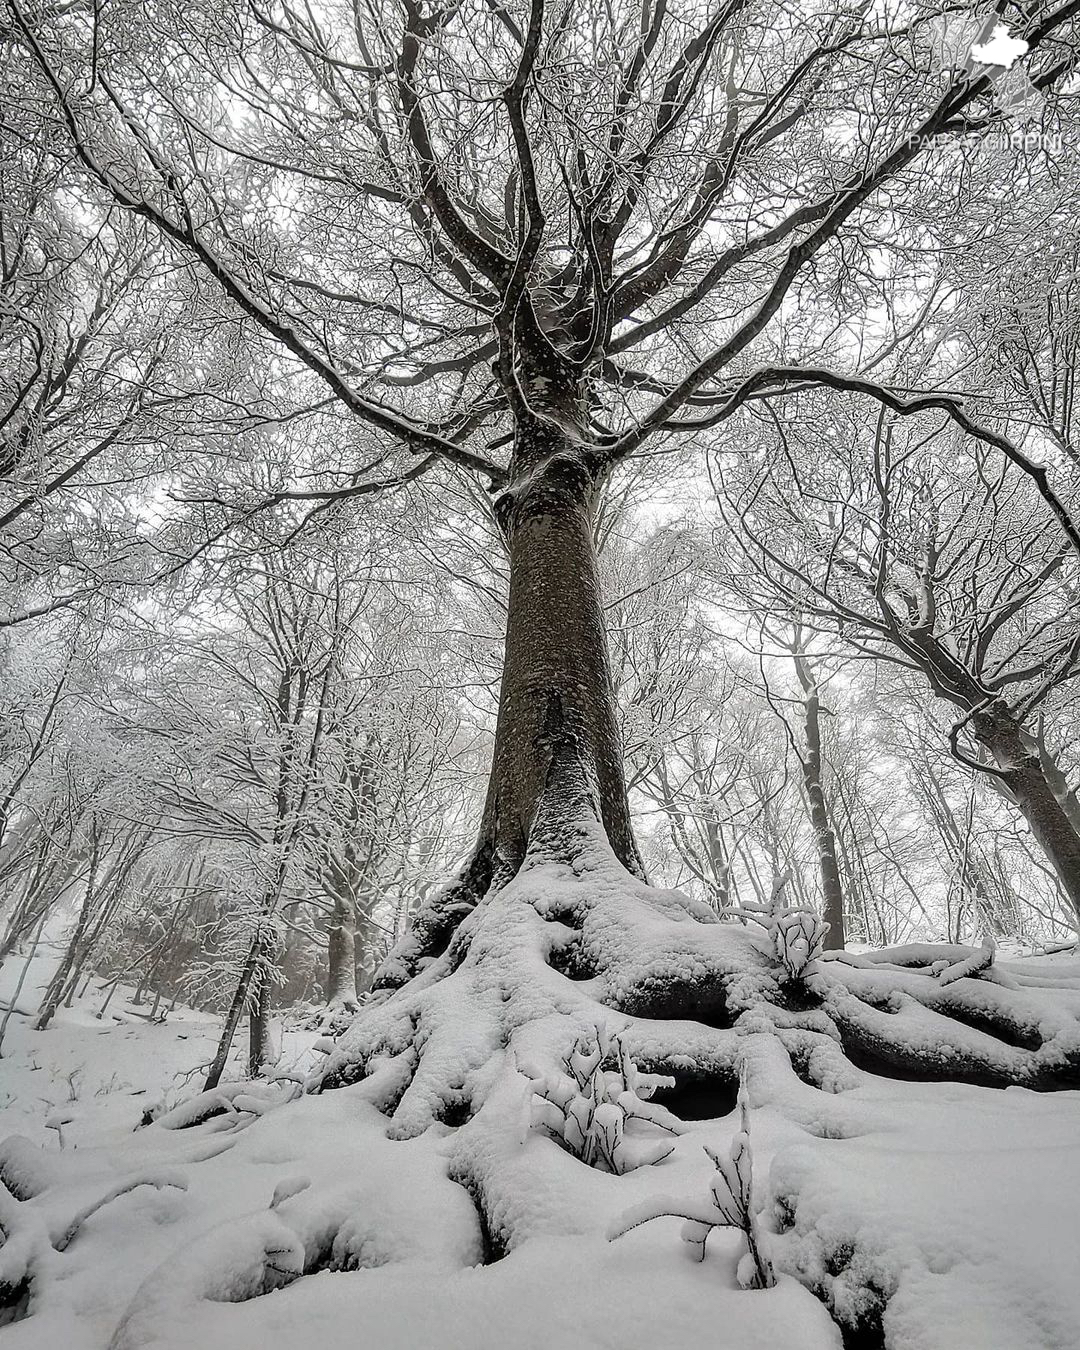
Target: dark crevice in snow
[(572, 961), (868, 1334), (908, 1064), (199, 1115), (344, 1074), (14, 1301), (794, 996), (493, 1241), (783, 1213), (331, 1257), (800, 1065), (890, 1061), (864, 1330), (887, 1061), (456, 1110), (702, 1001), (570, 916), (1003, 1029), (698, 1096)]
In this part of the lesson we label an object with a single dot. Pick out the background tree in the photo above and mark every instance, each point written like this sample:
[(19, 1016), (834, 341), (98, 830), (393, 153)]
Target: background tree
[(923, 551)]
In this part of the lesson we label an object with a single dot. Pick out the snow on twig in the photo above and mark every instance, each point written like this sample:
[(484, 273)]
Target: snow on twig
[(729, 1204), (587, 1108)]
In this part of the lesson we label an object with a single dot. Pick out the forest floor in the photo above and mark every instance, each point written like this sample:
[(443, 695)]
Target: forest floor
[(955, 1206)]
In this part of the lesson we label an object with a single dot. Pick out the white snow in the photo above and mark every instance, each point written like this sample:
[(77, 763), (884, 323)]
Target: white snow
[(285, 1222)]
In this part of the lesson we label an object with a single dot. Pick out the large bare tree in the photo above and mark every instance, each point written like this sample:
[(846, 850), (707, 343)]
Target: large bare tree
[(569, 235), (515, 248)]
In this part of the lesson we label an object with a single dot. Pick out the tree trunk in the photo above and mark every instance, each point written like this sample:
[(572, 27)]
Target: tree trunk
[(1059, 784), (252, 992), (258, 1021), (35, 900), (556, 684), (14, 1001), (58, 983), (556, 699), (824, 836), (1025, 776), (341, 954), (232, 1017)]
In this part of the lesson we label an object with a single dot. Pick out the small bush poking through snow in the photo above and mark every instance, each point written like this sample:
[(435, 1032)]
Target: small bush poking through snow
[(798, 936), (795, 933), (730, 1204), (587, 1109)]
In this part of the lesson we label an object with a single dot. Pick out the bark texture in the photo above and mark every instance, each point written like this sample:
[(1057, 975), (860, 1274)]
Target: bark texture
[(824, 835), (556, 685), (1023, 772), (557, 702)]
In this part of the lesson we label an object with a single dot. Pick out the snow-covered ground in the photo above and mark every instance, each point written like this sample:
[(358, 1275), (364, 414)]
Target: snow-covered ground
[(951, 1209)]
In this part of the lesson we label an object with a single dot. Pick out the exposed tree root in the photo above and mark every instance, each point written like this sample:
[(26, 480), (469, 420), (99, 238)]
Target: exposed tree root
[(573, 942)]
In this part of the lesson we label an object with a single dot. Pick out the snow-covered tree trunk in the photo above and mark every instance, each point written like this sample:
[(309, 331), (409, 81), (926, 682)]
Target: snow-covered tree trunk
[(58, 984), (341, 989), (1023, 773), (1059, 784), (556, 678)]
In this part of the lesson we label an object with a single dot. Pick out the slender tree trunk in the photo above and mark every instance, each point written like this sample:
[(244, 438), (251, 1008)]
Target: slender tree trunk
[(33, 904), (232, 1018), (12, 1006), (58, 983), (719, 862), (824, 836), (341, 953), (252, 988), (258, 1021), (1025, 776)]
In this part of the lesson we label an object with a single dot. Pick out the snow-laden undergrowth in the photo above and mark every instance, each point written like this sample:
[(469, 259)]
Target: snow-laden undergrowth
[(408, 1198)]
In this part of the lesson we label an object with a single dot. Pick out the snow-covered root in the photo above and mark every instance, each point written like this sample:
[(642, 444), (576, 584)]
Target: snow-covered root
[(438, 919), (304, 1231), (901, 1019), (239, 1102), (562, 948), (574, 944), (571, 945), (425, 1157), (118, 1247), (44, 1206)]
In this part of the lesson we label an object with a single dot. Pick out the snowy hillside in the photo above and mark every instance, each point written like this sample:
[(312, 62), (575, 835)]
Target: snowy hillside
[(284, 1224)]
